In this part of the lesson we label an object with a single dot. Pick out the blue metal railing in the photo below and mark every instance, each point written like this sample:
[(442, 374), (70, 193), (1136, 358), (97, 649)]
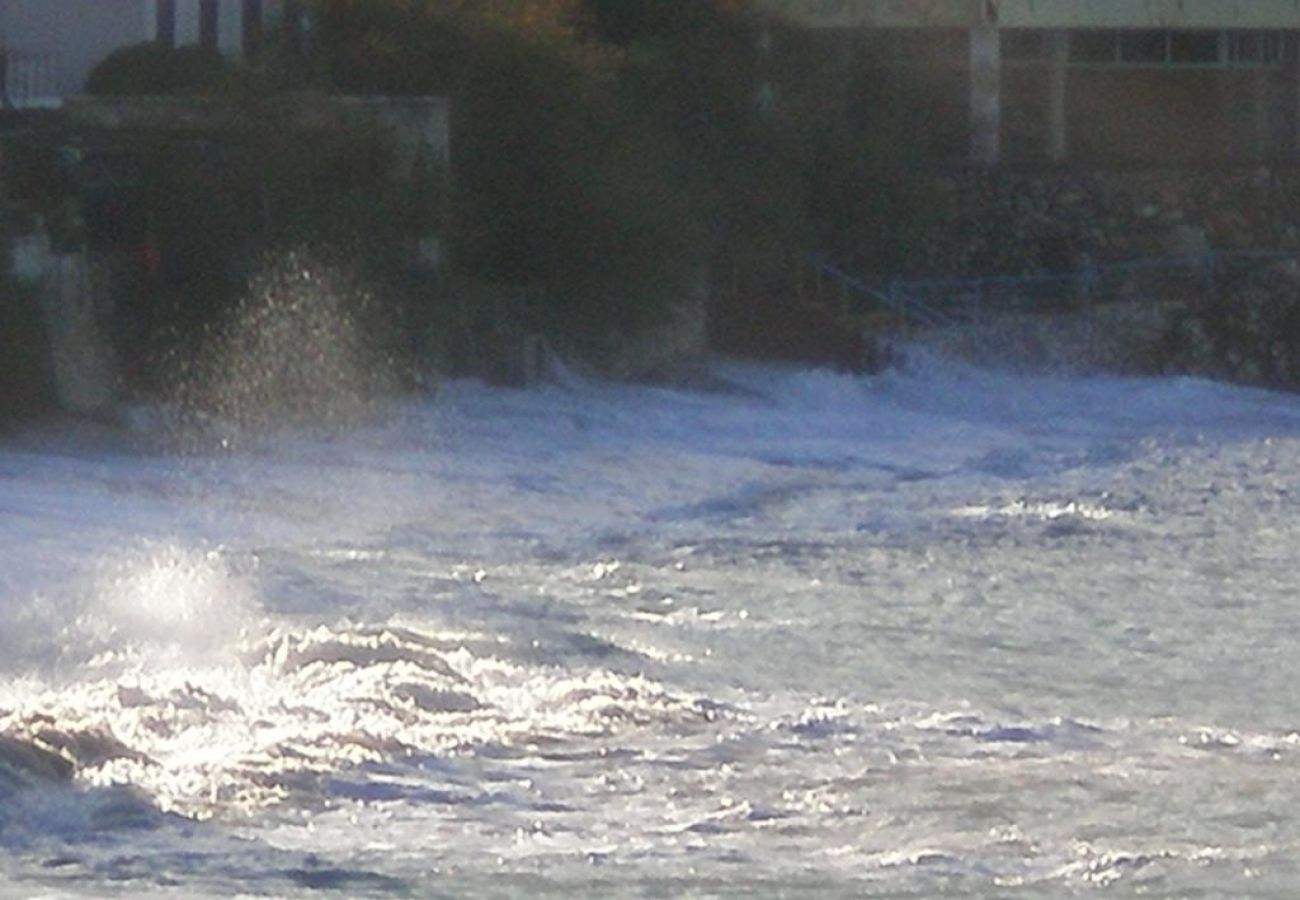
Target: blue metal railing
[(939, 302), (891, 299)]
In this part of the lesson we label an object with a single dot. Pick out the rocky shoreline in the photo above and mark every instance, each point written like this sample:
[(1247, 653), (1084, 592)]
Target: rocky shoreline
[(1004, 222), (1241, 326), (1245, 329), (1122, 338)]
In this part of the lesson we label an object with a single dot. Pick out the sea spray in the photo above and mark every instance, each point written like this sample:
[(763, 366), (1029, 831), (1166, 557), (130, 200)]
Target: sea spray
[(168, 596), (307, 345)]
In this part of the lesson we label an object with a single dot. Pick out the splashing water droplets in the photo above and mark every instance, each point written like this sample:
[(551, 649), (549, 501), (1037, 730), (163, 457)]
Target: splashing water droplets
[(174, 597), (304, 346)]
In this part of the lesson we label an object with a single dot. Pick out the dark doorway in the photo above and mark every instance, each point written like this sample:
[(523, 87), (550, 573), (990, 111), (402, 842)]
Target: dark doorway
[(208, 20), (252, 28), (292, 16)]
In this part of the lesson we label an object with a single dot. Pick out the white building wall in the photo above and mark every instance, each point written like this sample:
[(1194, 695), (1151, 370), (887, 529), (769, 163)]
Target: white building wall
[(53, 44), (72, 35)]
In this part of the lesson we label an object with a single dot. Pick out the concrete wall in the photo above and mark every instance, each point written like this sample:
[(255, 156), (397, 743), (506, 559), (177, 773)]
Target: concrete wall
[(73, 306)]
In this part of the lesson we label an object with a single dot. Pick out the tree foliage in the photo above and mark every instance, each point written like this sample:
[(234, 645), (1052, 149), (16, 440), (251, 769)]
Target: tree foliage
[(152, 68), (560, 180), (604, 151), (603, 146)]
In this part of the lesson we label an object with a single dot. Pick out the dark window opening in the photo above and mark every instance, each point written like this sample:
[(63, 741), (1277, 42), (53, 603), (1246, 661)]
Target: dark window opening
[(1093, 47), (1245, 47), (252, 27), (165, 23), (208, 19), (1143, 46), (1024, 45), (1194, 46), (1256, 48)]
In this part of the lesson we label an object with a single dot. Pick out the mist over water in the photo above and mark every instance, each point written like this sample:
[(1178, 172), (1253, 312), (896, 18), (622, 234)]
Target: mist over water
[(938, 631)]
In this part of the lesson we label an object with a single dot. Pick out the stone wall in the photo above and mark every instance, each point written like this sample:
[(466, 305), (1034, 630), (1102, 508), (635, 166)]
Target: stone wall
[(1123, 338), (1243, 327), (1247, 331), (1029, 222)]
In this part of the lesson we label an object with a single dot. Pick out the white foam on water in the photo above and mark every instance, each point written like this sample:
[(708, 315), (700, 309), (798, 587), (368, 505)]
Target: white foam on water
[(936, 630)]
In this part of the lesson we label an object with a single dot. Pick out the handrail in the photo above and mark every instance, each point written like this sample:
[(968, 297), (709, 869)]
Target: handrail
[(899, 303), (969, 298)]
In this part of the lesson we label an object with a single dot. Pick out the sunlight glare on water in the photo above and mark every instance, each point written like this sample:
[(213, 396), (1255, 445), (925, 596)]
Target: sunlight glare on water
[(938, 631)]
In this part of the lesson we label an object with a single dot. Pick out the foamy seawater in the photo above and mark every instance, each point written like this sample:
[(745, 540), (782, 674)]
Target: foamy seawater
[(936, 632)]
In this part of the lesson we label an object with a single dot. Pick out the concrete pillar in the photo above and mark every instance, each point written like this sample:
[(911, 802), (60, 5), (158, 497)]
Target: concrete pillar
[(84, 372), (149, 20), (985, 94), (187, 22), (1058, 51), (230, 28)]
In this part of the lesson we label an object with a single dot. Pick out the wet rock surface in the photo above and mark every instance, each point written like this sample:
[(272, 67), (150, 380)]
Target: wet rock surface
[(1247, 331), (1007, 222)]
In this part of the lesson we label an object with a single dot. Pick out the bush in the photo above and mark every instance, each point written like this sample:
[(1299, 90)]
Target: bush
[(154, 68)]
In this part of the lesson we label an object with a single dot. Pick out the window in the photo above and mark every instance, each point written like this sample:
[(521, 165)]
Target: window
[(1093, 47), (1023, 45), (1194, 47), (1164, 47), (1255, 48), (1143, 46)]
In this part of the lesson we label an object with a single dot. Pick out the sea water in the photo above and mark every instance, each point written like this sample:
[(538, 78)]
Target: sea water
[(935, 632)]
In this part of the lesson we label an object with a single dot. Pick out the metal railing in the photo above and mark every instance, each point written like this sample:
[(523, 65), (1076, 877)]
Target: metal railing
[(860, 296), (29, 80), (941, 302)]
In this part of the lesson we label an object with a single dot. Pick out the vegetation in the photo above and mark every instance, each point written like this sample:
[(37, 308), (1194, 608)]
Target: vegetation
[(152, 68), (607, 148), (606, 152), (560, 182)]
